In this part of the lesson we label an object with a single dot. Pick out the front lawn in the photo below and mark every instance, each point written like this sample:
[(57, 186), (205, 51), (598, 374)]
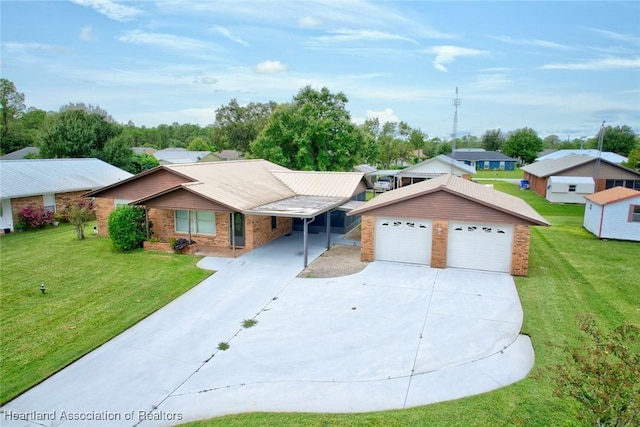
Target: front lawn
[(571, 272), (498, 174), (92, 294)]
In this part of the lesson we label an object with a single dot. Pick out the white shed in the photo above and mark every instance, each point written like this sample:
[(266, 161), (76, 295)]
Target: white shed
[(614, 214), (569, 189)]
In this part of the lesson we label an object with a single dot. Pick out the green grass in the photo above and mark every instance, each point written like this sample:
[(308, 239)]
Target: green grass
[(93, 294), (514, 174), (570, 272)]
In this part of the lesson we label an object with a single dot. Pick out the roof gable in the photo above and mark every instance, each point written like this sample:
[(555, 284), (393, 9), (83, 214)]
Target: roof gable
[(22, 178), (437, 165), (549, 167), (613, 195), (322, 184), (462, 188)]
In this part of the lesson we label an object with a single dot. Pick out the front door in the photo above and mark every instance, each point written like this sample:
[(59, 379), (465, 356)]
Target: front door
[(237, 229)]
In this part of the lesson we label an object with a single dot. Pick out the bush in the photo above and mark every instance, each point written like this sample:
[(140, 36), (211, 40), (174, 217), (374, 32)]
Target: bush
[(179, 245), (127, 227), (35, 216)]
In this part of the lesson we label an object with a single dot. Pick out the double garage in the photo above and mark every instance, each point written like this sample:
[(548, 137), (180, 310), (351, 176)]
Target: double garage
[(449, 222)]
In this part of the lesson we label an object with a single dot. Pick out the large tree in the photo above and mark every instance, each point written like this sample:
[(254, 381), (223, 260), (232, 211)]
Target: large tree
[(492, 140), (237, 126), (524, 144), (313, 132), (11, 108), (619, 139)]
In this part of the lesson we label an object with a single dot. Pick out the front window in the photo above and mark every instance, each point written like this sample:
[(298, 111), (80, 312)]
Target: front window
[(49, 202), (202, 222)]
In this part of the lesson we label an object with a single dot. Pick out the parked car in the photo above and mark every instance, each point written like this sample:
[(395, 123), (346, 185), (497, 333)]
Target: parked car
[(382, 185)]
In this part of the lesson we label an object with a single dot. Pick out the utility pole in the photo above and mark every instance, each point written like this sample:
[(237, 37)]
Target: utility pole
[(454, 135), (600, 141)]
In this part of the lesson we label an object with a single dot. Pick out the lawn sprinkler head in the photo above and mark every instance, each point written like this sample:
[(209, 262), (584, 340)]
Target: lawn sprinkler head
[(43, 289)]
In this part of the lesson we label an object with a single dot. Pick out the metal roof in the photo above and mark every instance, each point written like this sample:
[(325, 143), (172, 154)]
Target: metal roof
[(298, 206), (480, 155), (22, 178), (323, 184), (180, 155), (21, 153), (434, 167), (606, 155), (552, 166), (612, 195), (560, 179), (462, 187)]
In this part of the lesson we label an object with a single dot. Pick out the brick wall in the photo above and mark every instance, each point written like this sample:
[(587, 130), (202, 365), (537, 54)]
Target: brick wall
[(367, 238), (520, 250), (439, 243), (258, 230), (103, 208), (20, 203), (164, 229)]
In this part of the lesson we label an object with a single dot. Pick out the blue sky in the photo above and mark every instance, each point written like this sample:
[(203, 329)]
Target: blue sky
[(557, 67)]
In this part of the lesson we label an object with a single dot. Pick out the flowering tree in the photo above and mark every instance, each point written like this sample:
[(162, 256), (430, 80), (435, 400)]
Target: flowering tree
[(78, 214)]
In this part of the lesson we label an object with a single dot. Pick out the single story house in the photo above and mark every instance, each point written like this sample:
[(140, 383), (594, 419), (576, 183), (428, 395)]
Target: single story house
[(449, 221), (485, 160), (144, 150), (50, 183), (569, 189), (22, 153), (172, 156), (227, 155), (431, 168), (604, 173), (614, 214), (606, 155), (243, 203)]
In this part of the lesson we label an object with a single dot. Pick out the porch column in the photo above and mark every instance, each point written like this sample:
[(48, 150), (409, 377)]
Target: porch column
[(232, 217), (329, 230), (305, 240), (146, 221)]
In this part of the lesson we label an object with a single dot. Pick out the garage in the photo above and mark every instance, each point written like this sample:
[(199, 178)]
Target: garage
[(479, 246), (403, 240)]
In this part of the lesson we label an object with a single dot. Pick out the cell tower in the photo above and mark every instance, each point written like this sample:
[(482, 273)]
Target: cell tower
[(454, 135)]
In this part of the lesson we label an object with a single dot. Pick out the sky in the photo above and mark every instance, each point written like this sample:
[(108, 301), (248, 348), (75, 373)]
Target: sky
[(558, 67)]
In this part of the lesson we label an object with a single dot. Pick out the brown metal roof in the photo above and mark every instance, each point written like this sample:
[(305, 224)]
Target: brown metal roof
[(323, 184), (462, 188), (612, 195)]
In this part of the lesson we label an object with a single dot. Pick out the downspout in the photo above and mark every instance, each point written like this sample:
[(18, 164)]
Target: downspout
[(189, 222), (601, 221), (305, 235)]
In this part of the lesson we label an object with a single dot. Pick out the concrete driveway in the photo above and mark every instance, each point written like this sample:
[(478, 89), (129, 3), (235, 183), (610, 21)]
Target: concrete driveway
[(391, 336)]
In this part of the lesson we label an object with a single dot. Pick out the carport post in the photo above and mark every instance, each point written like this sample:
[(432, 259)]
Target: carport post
[(329, 230), (232, 217), (305, 238)]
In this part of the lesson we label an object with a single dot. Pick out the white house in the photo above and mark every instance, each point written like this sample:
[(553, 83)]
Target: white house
[(569, 189), (614, 214), (431, 168)]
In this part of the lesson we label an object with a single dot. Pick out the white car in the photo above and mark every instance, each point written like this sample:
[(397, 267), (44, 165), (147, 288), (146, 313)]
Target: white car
[(382, 185)]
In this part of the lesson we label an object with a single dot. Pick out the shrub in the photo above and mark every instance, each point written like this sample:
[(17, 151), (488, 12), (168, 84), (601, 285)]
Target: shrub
[(127, 227), (179, 245), (35, 216)]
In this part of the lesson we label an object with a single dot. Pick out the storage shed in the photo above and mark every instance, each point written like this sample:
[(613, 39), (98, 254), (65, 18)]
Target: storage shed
[(569, 189), (614, 214)]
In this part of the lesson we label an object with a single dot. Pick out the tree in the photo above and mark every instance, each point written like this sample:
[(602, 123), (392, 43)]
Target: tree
[(142, 162), (237, 126), (78, 214), (619, 139), (314, 132), (523, 143), (198, 143), (493, 140), (551, 141), (75, 133), (11, 105), (634, 158), (117, 151)]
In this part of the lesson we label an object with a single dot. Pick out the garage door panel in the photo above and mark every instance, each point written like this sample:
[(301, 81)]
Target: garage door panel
[(403, 240), (480, 246)]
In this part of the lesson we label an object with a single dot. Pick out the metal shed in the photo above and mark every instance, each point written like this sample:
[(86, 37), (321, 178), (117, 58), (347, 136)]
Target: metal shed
[(569, 189)]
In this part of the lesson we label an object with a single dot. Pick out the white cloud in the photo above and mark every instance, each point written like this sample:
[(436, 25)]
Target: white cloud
[(163, 40), (309, 22), (384, 116), (269, 67), (341, 36), (448, 54), (16, 47), (532, 42), (86, 34), (226, 33), (111, 9), (596, 65), (617, 36)]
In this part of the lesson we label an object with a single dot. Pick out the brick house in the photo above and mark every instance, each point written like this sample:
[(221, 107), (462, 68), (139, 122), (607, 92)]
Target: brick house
[(605, 174), (51, 184), (232, 204), (449, 221)]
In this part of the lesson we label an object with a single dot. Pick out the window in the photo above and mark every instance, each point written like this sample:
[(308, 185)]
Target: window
[(49, 202), (634, 213), (572, 188), (274, 222), (119, 202), (629, 183), (202, 222)]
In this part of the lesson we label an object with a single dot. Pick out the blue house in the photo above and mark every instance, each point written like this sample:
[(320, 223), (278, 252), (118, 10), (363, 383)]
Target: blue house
[(485, 160)]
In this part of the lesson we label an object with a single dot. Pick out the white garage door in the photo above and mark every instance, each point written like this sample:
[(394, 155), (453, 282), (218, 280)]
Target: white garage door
[(479, 246), (403, 240)]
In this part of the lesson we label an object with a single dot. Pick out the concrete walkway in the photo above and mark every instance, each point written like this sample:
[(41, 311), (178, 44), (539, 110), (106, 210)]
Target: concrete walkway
[(391, 336)]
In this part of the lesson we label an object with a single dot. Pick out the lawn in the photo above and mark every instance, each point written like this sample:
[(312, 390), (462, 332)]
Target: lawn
[(514, 174), (571, 272), (92, 294)]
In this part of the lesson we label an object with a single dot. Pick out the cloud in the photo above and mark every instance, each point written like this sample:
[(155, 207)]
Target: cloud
[(342, 36), (226, 33), (532, 42), (596, 65), (111, 9), (448, 54), (205, 80), (384, 116), (17, 47), (617, 36), (309, 22), (269, 67), (86, 34), (163, 40)]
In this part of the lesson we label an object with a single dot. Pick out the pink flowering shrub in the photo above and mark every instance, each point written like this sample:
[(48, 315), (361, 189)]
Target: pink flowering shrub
[(36, 216)]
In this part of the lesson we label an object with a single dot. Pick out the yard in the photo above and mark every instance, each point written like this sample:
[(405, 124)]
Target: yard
[(94, 293)]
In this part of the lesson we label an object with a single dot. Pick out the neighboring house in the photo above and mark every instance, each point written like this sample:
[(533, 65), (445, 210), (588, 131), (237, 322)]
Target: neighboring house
[(606, 155), (244, 203), (50, 183), (21, 153), (144, 150), (449, 221), (174, 156), (569, 189), (604, 173), (614, 214), (229, 155), (431, 168), (485, 160)]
